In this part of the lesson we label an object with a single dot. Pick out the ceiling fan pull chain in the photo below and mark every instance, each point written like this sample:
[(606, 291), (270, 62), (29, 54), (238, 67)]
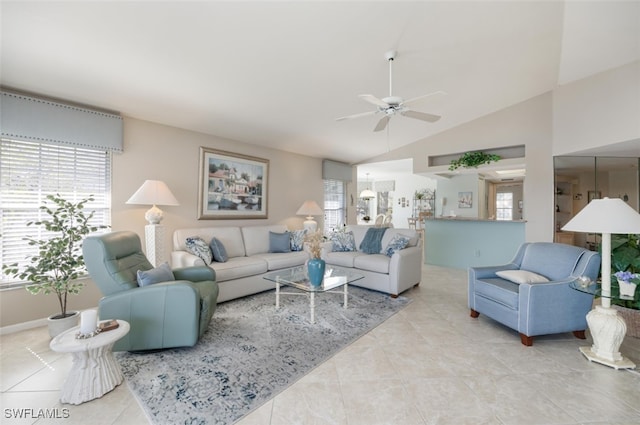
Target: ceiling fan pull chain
[(390, 77)]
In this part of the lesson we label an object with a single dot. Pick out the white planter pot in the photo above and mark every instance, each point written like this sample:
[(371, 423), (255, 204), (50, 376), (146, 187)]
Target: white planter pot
[(57, 326), (627, 289)]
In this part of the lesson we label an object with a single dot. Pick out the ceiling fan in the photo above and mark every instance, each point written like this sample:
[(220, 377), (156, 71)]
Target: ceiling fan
[(392, 105)]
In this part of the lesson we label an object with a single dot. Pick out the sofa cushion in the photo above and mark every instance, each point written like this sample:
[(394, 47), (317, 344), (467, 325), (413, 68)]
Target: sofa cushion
[(256, 238), (378, 263), (399, 242), (343, 242), (238, 267), (218, 250), (198, 247), (297, 239), (231, 238), (344, 259), (521, 276), (162, 273), (279, 242), (499, 290), (372, 242), (283, 260)]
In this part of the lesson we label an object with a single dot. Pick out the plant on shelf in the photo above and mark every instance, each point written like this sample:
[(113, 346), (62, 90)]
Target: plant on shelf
[(473, 160), (625, 263), (59, 262)]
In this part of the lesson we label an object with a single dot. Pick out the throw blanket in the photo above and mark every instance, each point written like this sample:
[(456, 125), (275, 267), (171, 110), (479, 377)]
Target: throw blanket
[(372, 241)]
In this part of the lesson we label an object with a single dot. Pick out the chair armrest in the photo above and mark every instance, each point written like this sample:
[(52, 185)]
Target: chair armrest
[(185, 259), (194, 274)]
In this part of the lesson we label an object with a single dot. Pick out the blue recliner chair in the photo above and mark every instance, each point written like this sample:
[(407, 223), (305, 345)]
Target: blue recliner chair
[(536, 308), (161, 315)]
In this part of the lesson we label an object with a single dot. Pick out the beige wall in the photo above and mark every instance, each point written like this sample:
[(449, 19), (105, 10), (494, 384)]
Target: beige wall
[(158, 152)]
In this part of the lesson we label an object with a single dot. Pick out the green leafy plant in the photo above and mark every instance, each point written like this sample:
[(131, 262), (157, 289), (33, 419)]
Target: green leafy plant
[(59, 262), (473, 160), (625, 257)]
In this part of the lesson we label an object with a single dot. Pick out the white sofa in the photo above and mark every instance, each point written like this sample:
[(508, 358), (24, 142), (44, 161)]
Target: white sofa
[(392, 275), (249, 257)]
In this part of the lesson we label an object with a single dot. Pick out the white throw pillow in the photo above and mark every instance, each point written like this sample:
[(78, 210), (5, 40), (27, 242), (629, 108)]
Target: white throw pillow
[(521, 276)]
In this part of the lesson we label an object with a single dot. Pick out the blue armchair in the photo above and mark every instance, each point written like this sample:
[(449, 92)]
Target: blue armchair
[(161, 315), (541, 308)]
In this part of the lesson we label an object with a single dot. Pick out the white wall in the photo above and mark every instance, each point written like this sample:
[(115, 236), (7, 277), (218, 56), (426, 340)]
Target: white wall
[(450, 189)]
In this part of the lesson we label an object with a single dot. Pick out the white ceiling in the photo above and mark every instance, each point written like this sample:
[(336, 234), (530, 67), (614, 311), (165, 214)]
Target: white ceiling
[(278, 74)]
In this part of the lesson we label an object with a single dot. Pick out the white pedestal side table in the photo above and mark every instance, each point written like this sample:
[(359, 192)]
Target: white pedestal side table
[(95, 371)]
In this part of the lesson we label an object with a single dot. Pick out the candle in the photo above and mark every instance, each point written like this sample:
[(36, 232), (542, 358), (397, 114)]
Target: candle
[(88, 321)]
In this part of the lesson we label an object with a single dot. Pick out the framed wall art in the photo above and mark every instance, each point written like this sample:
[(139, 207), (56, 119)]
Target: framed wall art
[(465, 199), (232, 186)]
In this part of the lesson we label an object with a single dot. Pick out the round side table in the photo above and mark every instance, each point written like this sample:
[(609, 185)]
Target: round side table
[(94, 371)]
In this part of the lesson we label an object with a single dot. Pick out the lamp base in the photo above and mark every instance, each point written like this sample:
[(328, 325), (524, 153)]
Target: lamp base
[(607, 330), (153, 215), (310, 224)]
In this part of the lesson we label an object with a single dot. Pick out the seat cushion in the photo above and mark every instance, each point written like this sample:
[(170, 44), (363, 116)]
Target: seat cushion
[(378, 263), (499, 290), (344, 259), (276, 261), (238, 267)]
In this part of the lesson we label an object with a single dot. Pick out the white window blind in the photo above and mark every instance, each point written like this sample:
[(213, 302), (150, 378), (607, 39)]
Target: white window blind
[(504, 206), (29, 171), (335, 205)]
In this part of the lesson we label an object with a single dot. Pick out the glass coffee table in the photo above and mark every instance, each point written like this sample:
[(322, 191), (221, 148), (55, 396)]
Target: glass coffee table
[(297, 277)]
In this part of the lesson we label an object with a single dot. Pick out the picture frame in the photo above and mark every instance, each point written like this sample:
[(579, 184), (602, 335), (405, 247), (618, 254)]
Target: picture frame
[(232, 186), (593, 194), (465, 199)]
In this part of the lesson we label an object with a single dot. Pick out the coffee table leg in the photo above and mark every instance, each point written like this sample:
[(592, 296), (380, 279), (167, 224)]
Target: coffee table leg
[(312, 305), (277, 293), (346, 295)]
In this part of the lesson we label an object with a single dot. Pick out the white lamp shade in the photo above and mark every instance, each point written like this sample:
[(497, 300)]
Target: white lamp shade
[(309, 208), (153, 192), (608, 215), (367, 194)]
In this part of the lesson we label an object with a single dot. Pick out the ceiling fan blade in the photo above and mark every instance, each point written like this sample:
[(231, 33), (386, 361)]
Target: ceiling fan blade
[(382, 123), (419, 98), (363, 114), (372, 99), (420, 115)]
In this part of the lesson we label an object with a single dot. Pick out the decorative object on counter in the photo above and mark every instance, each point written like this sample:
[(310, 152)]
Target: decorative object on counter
[(59, 261), (606, 216), (473, 160)]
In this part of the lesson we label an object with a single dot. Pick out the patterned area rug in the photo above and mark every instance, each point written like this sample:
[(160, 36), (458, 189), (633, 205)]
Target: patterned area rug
[(250, 353)]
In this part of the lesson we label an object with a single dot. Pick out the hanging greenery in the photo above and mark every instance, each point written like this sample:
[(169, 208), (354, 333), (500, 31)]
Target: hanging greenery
[(473, 160)]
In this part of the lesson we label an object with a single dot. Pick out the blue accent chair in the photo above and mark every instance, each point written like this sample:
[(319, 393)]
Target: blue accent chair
[(161, 315), (537, 308)]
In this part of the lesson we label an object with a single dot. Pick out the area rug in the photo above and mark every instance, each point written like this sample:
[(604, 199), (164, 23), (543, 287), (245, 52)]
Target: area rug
[(249, 354)]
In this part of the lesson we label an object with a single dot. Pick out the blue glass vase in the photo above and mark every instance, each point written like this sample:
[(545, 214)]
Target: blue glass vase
[(315, 267)]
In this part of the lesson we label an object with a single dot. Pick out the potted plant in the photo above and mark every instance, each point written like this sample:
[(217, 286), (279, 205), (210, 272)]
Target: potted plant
[(473, 160), (59, 262), (625, 263)]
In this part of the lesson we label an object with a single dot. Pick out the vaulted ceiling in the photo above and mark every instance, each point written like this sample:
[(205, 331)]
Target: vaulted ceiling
[(278, 74)]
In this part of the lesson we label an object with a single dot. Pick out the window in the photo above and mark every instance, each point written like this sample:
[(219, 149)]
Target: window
[(29, 171), (504, 206), (335, 205)]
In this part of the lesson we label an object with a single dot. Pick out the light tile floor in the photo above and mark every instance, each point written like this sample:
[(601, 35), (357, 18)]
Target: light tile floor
[(429, 364)]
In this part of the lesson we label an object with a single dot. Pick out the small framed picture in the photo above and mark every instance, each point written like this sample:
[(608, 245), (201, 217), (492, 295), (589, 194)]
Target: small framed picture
[(465, 199)]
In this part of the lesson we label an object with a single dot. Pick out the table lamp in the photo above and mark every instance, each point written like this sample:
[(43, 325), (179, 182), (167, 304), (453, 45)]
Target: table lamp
[(606, 216), (154, 192), (309, 209)]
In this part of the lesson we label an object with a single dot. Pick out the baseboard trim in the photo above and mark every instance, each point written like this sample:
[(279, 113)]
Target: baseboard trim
[(23, 326)]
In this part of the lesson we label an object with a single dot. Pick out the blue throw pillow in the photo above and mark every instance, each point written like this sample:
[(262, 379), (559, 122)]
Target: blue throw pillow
[(162, 273), (279, 242), (343, 242), (198, 247), (218, 250), (297, 239), (372, 241), (396, 244)]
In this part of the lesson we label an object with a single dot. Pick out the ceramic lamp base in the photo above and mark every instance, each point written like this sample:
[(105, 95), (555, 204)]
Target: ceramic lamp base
[(607, 330)]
